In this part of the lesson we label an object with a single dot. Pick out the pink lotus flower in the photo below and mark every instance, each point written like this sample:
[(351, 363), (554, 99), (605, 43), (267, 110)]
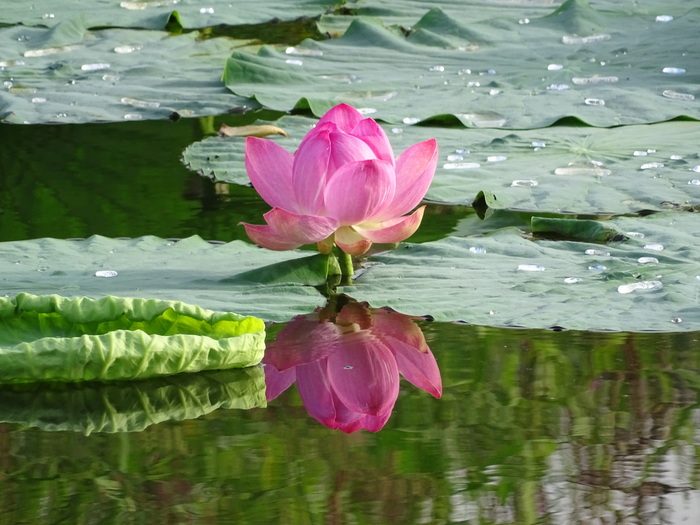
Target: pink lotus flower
[(347, 367), (342, 186)]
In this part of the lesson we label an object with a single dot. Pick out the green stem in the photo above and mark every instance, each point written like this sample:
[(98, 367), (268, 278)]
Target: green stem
[(345, 261)]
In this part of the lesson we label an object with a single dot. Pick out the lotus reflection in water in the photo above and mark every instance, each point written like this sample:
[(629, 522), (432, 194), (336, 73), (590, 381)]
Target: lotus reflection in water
[(346, 359)]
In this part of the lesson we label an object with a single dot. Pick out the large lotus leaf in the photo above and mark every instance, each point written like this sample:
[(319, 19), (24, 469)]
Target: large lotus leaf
[(604, 68), (191, 270), (561, 169), (406, 12), (503, 279), (54, 338), (153, 14), (130, 406), (71, 74)]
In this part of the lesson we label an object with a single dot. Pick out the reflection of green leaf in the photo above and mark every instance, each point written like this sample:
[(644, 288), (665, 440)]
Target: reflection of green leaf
[(560, 169), (132, 406), (191, 270), (53, 338), (505, 279), (72, 74), (494, 73)]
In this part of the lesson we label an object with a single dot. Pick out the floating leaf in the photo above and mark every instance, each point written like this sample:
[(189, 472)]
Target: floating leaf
[(494, 73), (191, 270), (251, 131), (71, 74), (503, 279), (561, 169), (54, 338)]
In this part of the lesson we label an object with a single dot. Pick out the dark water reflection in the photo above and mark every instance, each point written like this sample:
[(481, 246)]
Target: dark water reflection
[(533, 427)]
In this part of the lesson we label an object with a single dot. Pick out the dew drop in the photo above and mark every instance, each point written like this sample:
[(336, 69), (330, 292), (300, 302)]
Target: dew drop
[(577, 40), (47, 16), (110, 78), (523, 21), (95, 67), (496, 158), (651, 166), (558, 87), (676, 320), (572, 280), (473, 83), (654, 247), (132, 116), (439, 69), (664, 18), (676, 157), (105, 273), (597, 252), (453, 157), (637, 235), (139, 103), (367, 111), (7, 84), (206, 10), (42, 268), (696, 169), (582, 170), (597, 268), (477, 249), (640, 153), (673, 70), (537, 144), (524, 182), (397, 131), (582, 81), (461, 165), (554, 67), (594, 102), (347, 367), (494, 92), (462, 151), (126, 49), (410, 120), (694, 182), (302, 51), (648, 260), (530, 268), (464, 72), (642, 285), (294, 62), (675, 95)]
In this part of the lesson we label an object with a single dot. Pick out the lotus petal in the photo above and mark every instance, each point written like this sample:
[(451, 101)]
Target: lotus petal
[(269, 167)]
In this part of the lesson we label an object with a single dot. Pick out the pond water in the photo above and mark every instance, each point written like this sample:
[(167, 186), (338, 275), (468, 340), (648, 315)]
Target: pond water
[(533, 426)]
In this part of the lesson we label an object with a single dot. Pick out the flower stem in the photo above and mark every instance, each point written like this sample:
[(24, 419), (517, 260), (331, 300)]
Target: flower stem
[(345, 262)]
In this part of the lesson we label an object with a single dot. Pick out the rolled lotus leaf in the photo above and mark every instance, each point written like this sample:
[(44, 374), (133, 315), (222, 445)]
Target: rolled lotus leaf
[(54, 338), (130, 406)]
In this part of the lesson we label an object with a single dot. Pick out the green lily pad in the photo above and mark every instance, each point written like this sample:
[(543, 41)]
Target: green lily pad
[(649, 283), (191, 270), (561, 169), (153, 14), (54, 338), (130, 406), (603, 68), (69, 74)]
